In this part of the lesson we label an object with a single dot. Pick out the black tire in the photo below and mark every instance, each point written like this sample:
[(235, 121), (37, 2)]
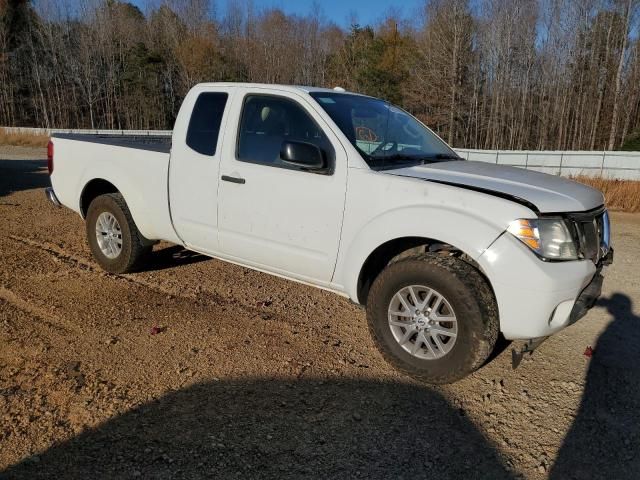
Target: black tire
[(134, 245), (471, 298)]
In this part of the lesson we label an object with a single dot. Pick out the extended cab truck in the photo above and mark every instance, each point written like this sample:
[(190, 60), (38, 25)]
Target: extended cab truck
[(351, 194)]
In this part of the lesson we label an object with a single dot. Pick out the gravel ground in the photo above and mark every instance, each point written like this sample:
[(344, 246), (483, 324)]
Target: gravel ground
[(195, 369)]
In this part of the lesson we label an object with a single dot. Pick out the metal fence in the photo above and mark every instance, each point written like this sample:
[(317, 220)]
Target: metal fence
[(614, 165)]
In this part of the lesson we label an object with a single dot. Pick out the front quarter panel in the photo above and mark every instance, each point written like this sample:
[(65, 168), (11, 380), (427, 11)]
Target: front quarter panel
[(382, 207)]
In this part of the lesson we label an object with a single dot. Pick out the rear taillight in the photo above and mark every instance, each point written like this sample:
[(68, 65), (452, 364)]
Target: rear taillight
[(50, 157)]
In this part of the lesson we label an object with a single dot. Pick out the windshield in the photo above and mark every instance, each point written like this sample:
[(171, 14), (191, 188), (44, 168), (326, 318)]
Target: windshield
[(385, 135)]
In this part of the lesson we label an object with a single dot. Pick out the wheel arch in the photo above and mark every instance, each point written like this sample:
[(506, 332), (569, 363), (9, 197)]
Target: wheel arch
[(93, 189), (387, 253), (402, 247)]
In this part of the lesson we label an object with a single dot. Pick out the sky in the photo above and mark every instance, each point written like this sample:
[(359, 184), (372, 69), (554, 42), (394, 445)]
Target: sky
[(337, 11)]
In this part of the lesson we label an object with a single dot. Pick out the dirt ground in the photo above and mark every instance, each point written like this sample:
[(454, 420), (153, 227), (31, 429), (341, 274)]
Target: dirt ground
[(249, 376)]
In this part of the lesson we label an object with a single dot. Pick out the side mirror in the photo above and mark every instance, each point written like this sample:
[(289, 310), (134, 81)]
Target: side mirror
[(304, 155)]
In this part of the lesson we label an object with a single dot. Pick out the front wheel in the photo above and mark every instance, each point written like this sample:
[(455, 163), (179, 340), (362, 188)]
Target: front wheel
[(433, 317), (113, 237)]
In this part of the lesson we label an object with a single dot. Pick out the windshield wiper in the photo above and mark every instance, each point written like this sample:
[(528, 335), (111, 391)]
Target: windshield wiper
[(419, 159), (443, 156), (397, 156), (389, 162)]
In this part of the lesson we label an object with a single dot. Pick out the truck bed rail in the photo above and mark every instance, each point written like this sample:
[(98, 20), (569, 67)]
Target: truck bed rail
[(154, 143)]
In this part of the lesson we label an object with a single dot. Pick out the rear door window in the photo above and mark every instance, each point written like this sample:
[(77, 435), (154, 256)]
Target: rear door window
[(204, 125)]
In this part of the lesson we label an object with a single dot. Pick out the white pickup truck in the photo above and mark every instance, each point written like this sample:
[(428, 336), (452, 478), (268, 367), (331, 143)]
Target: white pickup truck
[(351, 194)]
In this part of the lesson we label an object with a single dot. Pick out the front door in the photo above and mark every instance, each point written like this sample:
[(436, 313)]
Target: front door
[(273, 215)]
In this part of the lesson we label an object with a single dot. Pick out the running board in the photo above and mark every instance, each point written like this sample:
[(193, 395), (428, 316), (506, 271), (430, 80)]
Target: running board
[(528, 347)]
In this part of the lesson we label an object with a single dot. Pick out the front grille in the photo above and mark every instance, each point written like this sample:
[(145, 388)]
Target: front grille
[(591, 231)]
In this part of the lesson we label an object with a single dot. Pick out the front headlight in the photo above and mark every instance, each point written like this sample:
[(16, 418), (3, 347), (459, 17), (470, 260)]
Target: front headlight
[(550, 238)]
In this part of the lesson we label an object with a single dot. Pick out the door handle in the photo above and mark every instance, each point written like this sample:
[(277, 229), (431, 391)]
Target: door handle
[(227, 178)]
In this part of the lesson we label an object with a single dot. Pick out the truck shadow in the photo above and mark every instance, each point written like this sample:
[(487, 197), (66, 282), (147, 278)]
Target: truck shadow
[(171, 257), (18, 175), (270, 428), (604, 440)]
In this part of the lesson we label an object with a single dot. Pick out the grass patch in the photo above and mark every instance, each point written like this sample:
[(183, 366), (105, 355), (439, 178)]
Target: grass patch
[(620, 195), (22, 139)]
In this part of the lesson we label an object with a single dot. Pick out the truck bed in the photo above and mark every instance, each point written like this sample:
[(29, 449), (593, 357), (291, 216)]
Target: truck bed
[(136, 166), (154, 143)]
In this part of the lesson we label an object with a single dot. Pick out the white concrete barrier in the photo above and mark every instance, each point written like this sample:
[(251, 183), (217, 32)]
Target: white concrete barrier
[(614, 165)]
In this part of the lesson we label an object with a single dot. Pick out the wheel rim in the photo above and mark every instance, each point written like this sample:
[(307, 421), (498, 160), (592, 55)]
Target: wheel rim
[(423, 322), (109, 235)]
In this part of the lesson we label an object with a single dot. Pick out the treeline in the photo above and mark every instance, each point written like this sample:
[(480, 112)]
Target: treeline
[(535, 74)]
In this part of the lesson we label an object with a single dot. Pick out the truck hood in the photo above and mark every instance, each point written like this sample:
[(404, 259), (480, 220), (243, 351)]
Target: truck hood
[(547, 193)]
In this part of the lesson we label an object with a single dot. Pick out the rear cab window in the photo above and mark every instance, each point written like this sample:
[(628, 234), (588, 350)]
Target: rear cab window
[(204, 125)]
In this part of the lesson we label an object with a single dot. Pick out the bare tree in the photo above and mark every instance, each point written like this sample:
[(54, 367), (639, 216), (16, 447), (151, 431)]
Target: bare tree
[(489, 73), (628, 6)]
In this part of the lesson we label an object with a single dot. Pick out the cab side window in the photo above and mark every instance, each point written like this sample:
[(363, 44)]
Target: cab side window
[(267, 121), (204, 125)]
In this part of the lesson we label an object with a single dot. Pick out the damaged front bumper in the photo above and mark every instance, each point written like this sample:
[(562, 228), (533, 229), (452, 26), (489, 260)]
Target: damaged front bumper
[(585, 302)]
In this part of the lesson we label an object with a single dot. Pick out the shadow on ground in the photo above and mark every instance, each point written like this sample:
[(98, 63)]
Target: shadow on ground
[(171, 257), (604, 440), (279, 429), (18, 175)]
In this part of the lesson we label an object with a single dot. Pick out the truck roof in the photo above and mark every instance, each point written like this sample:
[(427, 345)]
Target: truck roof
[(290, 88)]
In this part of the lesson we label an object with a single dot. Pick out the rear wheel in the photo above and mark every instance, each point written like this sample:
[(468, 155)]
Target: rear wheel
[(114, 240), (433, 317)]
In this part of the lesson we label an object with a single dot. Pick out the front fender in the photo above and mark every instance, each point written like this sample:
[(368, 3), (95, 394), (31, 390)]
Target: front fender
[(408, 207), (444, 226)]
